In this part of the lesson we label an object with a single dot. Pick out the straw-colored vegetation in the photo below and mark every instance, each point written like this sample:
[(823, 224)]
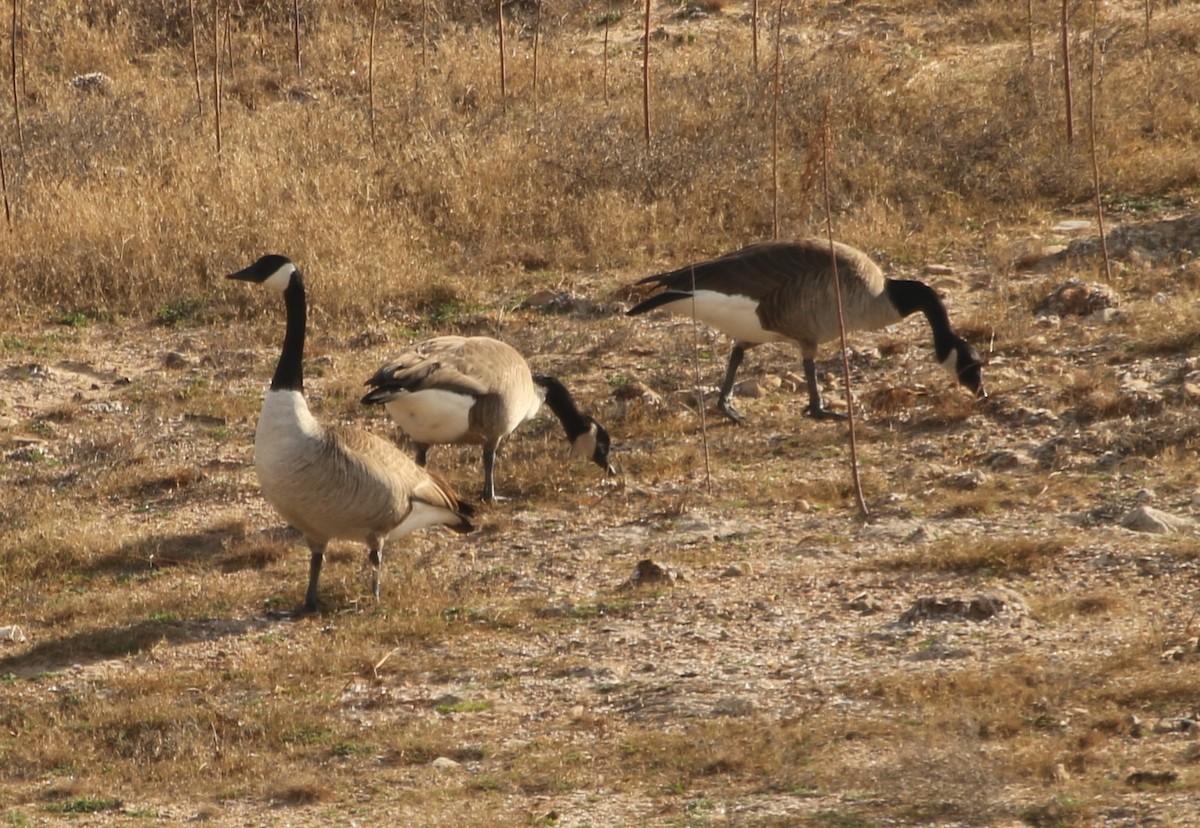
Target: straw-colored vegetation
[(775, 683)]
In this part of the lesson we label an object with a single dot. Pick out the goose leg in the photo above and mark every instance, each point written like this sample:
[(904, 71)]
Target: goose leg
[(489, 475), (422, 450), (816, 408), (723, 404), (375, 556), (314, 575)]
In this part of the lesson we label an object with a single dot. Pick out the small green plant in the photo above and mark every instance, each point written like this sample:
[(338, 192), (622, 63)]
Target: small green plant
[(85, 805), (182, 310)]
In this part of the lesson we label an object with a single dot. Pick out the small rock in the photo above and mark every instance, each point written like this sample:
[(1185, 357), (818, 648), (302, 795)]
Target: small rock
[(733, 706), (1072, 226), (175, 360), (1075, 297), (736, 570), (648, 573), (1151, 778), (793, 382), (863, 604), (92, 82), (444, 763), (632, 398), (965, 481), (979, 608), (1059, 773), (751, 389), (1148, 519), (1144, 495), (939, 270), (12, 633)]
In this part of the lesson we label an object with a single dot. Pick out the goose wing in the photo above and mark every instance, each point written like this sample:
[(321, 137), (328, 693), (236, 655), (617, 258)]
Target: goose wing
[(438, 363)]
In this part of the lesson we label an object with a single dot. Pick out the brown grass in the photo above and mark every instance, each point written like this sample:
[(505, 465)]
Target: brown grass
[(140, 558)]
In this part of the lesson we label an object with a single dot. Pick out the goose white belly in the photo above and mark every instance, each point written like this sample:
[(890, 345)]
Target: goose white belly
[(433, 416), (734, 316)]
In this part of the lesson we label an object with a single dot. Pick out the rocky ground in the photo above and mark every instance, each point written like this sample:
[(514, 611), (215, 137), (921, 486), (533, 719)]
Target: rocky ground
[(677, 599)]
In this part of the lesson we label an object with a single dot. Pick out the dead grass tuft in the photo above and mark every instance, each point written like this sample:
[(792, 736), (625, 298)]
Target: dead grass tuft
[(1016, 555)]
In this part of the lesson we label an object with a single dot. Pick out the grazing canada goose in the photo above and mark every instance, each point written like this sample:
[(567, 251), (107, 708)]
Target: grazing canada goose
[(477, 390), (334, 482), (784, 292)]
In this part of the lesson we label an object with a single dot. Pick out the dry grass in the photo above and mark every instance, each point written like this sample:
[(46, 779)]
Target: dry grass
[(140, 559)]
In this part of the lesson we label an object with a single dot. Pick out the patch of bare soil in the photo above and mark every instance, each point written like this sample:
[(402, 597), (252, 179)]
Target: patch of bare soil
[(770, 600)]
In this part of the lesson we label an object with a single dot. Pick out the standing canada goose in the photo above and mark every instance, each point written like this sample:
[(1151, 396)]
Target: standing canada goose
[(477, 390), (784, 292), (334, 482)]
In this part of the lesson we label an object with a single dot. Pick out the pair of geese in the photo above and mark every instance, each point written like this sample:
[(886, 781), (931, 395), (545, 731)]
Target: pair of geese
[(337, 482)]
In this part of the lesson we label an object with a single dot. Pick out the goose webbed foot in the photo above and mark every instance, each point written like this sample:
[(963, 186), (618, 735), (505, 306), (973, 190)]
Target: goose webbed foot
[(820, 412), (726, 407), (293, 615)]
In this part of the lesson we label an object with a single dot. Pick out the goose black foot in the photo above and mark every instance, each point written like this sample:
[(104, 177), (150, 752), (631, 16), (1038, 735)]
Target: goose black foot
[(292, 615), (822, 413), (726, 408)]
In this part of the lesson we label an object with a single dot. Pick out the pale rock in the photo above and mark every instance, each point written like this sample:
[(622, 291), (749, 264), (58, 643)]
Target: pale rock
[(444, 763), (939, 270), (1148, 519)]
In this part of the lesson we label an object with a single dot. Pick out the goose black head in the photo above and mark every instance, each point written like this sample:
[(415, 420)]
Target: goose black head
[(594, 444), (967, 367), (272, 270)]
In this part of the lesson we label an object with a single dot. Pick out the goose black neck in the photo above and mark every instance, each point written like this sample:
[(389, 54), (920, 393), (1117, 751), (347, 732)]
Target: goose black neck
[(909, 296), (289, 371), (574, 421)]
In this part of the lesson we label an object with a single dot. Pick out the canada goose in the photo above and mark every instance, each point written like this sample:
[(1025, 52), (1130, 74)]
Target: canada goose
[(784, 292), (477, 390), (334, 482)]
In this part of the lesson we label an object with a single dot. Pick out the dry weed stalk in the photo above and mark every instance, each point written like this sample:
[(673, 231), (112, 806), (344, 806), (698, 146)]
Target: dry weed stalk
[(1066, 53), (371, 70), (196, 59), (607, 25), (837, 285), (14, 40), (754, 33), (424, 37), (1092, 147), (537, 37), (699, 391), (776, 91), (503, 72), (646, 73), (296, 36), (4, 188), (1029, 25), (216, 72)]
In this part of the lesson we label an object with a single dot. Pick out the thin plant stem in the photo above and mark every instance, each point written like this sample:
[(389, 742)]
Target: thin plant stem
[(424, 37), (4, 189), (13, 41), (537, 36), (754, 34), (646, 73), (503, 72), (1029, 25), (607, 25), (699, 392), (776, 91), (296, 37), (216, 72), (1092, 148), (837, 284), (371, 71), (196, 60), (1066, 53)]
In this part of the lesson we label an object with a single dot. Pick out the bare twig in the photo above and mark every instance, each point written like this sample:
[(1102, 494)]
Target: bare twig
[(699, 391), (776, 91), (646, 73), (754, 33), (196, 59), (1029, 25), (296, 36), (837, 283), (1092, 148), (1149, 13), (607, 24), (13, 41), (216, 71), (424, 37), (503, 73), (537, 37), (371, 71), (1066, 53), (4, 189)]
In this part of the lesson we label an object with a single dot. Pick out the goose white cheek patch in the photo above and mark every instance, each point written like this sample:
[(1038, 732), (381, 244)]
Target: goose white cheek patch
[(279, 280)]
